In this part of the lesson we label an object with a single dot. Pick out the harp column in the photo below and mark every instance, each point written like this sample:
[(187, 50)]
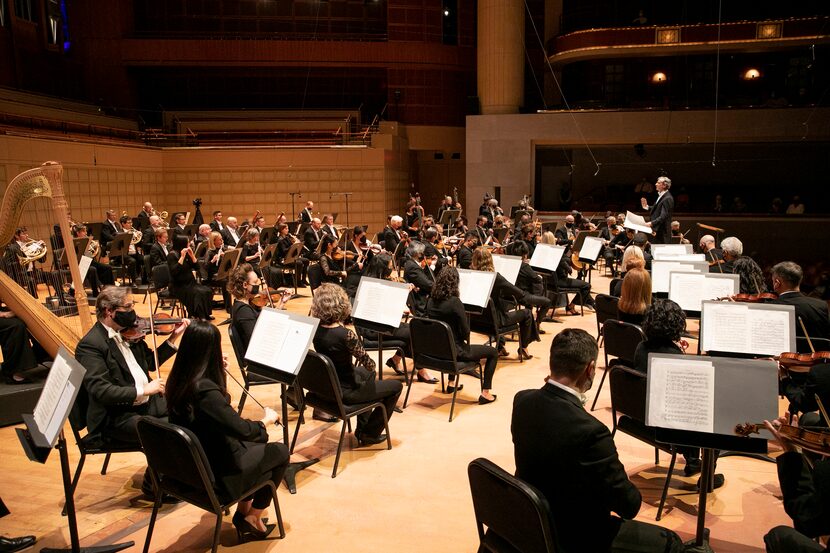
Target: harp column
[(500, 55)]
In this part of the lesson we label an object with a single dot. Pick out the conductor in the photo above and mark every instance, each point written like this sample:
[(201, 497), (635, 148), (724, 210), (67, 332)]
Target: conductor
[(661, 212)]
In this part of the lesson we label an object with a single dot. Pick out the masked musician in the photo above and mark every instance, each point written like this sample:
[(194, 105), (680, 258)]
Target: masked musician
[(117, 377), (392, 235), (307, 214), (416, 272), (566, 235)]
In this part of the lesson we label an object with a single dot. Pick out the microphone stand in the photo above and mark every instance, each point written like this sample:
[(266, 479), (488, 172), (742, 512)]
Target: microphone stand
[(293, 212), (346, 194)]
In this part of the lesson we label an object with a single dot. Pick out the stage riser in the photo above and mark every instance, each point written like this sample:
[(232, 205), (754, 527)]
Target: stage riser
[(17, 399)]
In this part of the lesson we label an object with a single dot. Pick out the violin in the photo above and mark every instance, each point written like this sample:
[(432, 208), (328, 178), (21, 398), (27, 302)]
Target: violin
[(807, 439), (339, 255), (264, 298), (801, 362), (750, 298), (162, 323)]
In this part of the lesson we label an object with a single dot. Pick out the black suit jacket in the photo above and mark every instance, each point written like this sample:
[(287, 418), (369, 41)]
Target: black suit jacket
[(310, 241), (529, 281), (812, 311), (464, 257), (640, 360), (143, 220), (389, 239), (423, 281), (571, 458), (451, 311), (108, 381), (806, 495), (108, 233), (305, 215), (562, 239), (660, 215), (157, 255)]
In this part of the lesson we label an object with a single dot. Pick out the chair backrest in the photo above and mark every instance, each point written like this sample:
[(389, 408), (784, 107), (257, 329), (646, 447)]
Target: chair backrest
[(238, 349), (161, 276), (606, 308), (318, 376), (819, 344), (511, 509), (148, 266), (613, 285), (315, 276), (621, 340), (176, 457), (433, 343), (628, 392)]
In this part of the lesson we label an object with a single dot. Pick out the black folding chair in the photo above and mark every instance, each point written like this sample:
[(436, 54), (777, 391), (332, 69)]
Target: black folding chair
[(487, 323), (161, 284), (433, 347), (628, 400), (91, 445), (179, 467), (315, 277), (319, 378), (613, 285), (620, 341), (606, 308), (516, 515)]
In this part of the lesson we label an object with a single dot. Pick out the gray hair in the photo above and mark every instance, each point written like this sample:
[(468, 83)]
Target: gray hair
[(789, 272), (396, 219), (416, 250), (251, 233), (707, 239), (110, 297), (203, 227), (732, 246), (666, 181)]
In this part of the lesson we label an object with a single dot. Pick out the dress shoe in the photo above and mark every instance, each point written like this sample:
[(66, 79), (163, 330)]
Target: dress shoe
[(391, 364), (523, 354), (7, 545), (719, 480), (451, 388), (247, 531), (484, 401), (323, 417), (432, 380), (365, 439), (692, 467), (503, 352)]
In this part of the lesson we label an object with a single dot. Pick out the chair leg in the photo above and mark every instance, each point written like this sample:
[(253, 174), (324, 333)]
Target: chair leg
[(386, 425), (75, 479), (339, 449), (297, 428), (666, 485), (156, 506), (454, 393), (216, 531), (656, 456), (601, 382), (409, 384), (277, 510), (106, 464)]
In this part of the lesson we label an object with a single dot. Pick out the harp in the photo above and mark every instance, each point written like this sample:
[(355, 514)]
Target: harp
[(44, 323)]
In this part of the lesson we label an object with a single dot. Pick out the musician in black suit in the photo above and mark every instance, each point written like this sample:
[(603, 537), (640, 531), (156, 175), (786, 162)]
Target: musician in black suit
[(312, 236), (117, 377), (148, 234), (806, 495), (160, 249), (178, 229), (24, 275), (714, 255), (232, 236), (731, 250), (660, 213), (328, 227), (109, 229), (391, 235), (813, 312), (570, 457), (481, 229), (417, 273), (284, 242), (217, 225), (566, 235), (197, 298), (464, 255), (307, 214)]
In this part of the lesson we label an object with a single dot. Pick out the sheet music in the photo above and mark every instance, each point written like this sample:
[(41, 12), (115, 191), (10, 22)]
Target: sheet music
[(52, 404), (547, 256), (681, 394), (738, 328), (474, 287), (591, 248), (660, 251), (636, 222), (689, 290), (380, 301), (682, 257), (660, 272), (281, 340), (83, 264), (508, 266)]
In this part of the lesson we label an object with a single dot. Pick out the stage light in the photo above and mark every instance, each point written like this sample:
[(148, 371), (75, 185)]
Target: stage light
[(751, 74), (659, 77), (446, 12)]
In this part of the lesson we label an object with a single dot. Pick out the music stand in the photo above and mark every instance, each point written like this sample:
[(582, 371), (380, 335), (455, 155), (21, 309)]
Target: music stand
[(44, 430), (228, 263), (264, 262), (710, 228), (201, 247), (294, 227), (290, 258), (191, 230), (267, 235), (368, 292), (120, 247), (81, 244), (448, 218), (500, 234)]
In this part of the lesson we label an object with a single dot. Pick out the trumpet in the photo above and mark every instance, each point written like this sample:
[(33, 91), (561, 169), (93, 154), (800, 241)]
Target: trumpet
[(32, 251)]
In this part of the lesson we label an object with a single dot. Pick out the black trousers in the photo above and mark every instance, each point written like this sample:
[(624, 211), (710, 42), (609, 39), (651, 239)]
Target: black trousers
[(783, 539), (527, 327), (197, 298), (634, 536), (477, 352), (271, 466), (125, 430), (399, 339), (582, 287), (130, 265), (541, 302), (385, 391), (18, 354)]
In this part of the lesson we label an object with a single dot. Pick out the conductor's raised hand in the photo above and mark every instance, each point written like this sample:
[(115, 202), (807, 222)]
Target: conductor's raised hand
[(644, 203)]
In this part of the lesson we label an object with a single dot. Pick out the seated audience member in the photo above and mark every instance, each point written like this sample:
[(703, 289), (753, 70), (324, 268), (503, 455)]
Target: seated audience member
[(502, 296), (237, 449), (117, 377), (663, 325), (444, 305), (357, 382), (632, 258), (570, 457), (805, 493), (751, 276), (813, 312), (18, 355), (635, 297), (732, 249), (196, 298)]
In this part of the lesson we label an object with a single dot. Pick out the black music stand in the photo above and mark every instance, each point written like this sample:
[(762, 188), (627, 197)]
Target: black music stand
[(37, 445), (267, 235), (448, 218), (227, 263), (264, 262), (120, 248), (95, 230), (290, 258), (191, 230), (294, 227), (201, 248)]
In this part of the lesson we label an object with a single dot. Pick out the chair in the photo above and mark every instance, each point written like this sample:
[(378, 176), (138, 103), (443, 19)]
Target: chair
[(91, 445), (516, 514), (318, 377), (560, 290), (628, 398), (620, 341), (487, 323), (249, 377), (433, 347), (179, 467), (161, 284), (613, 284), (606, 308), (389, 344), (315, 277)]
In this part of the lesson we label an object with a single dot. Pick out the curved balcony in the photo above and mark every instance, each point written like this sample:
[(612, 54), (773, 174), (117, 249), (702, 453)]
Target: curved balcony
[(740, 36)]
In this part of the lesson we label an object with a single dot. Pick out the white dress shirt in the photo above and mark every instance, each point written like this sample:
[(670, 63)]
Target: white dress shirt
[(137, 373)]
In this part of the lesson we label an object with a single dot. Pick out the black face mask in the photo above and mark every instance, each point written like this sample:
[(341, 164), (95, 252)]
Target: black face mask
[(125, 319), (255, 289), (569, 225)]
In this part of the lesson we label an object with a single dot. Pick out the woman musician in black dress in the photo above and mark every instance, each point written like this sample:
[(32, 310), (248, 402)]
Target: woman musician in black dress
[(197, 299)]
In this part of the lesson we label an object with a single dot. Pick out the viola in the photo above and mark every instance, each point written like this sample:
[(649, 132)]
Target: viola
[(750, 298), (810, 440), (162, 323)]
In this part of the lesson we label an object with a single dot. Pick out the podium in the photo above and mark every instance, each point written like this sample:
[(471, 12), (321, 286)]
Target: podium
[(44, 430)]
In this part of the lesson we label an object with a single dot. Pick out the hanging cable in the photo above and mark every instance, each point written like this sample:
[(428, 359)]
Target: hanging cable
[(717, 86)]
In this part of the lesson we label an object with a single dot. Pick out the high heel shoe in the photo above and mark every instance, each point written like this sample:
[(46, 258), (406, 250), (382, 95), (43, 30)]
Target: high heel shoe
[(503, 352), (246, 531), (484, 401), (451, 388), (391, 364), (523, 354)]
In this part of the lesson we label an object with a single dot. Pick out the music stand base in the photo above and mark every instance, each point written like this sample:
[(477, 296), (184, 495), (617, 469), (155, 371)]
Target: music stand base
[(290, 476), (692, 547), (98, 549)]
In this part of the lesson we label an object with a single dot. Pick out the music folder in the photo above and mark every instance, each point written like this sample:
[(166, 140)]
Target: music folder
[(547, 257), (381, 302), (591, 246), (637, 223), (689, 289), (660, 272), (474, 287), (660, 251), (280, 341), (507, 266)]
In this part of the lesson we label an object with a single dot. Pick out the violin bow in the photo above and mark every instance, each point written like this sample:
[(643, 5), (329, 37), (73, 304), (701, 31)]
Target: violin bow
[(821, 408), (245, 391), (153, 333), (804, 330)]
